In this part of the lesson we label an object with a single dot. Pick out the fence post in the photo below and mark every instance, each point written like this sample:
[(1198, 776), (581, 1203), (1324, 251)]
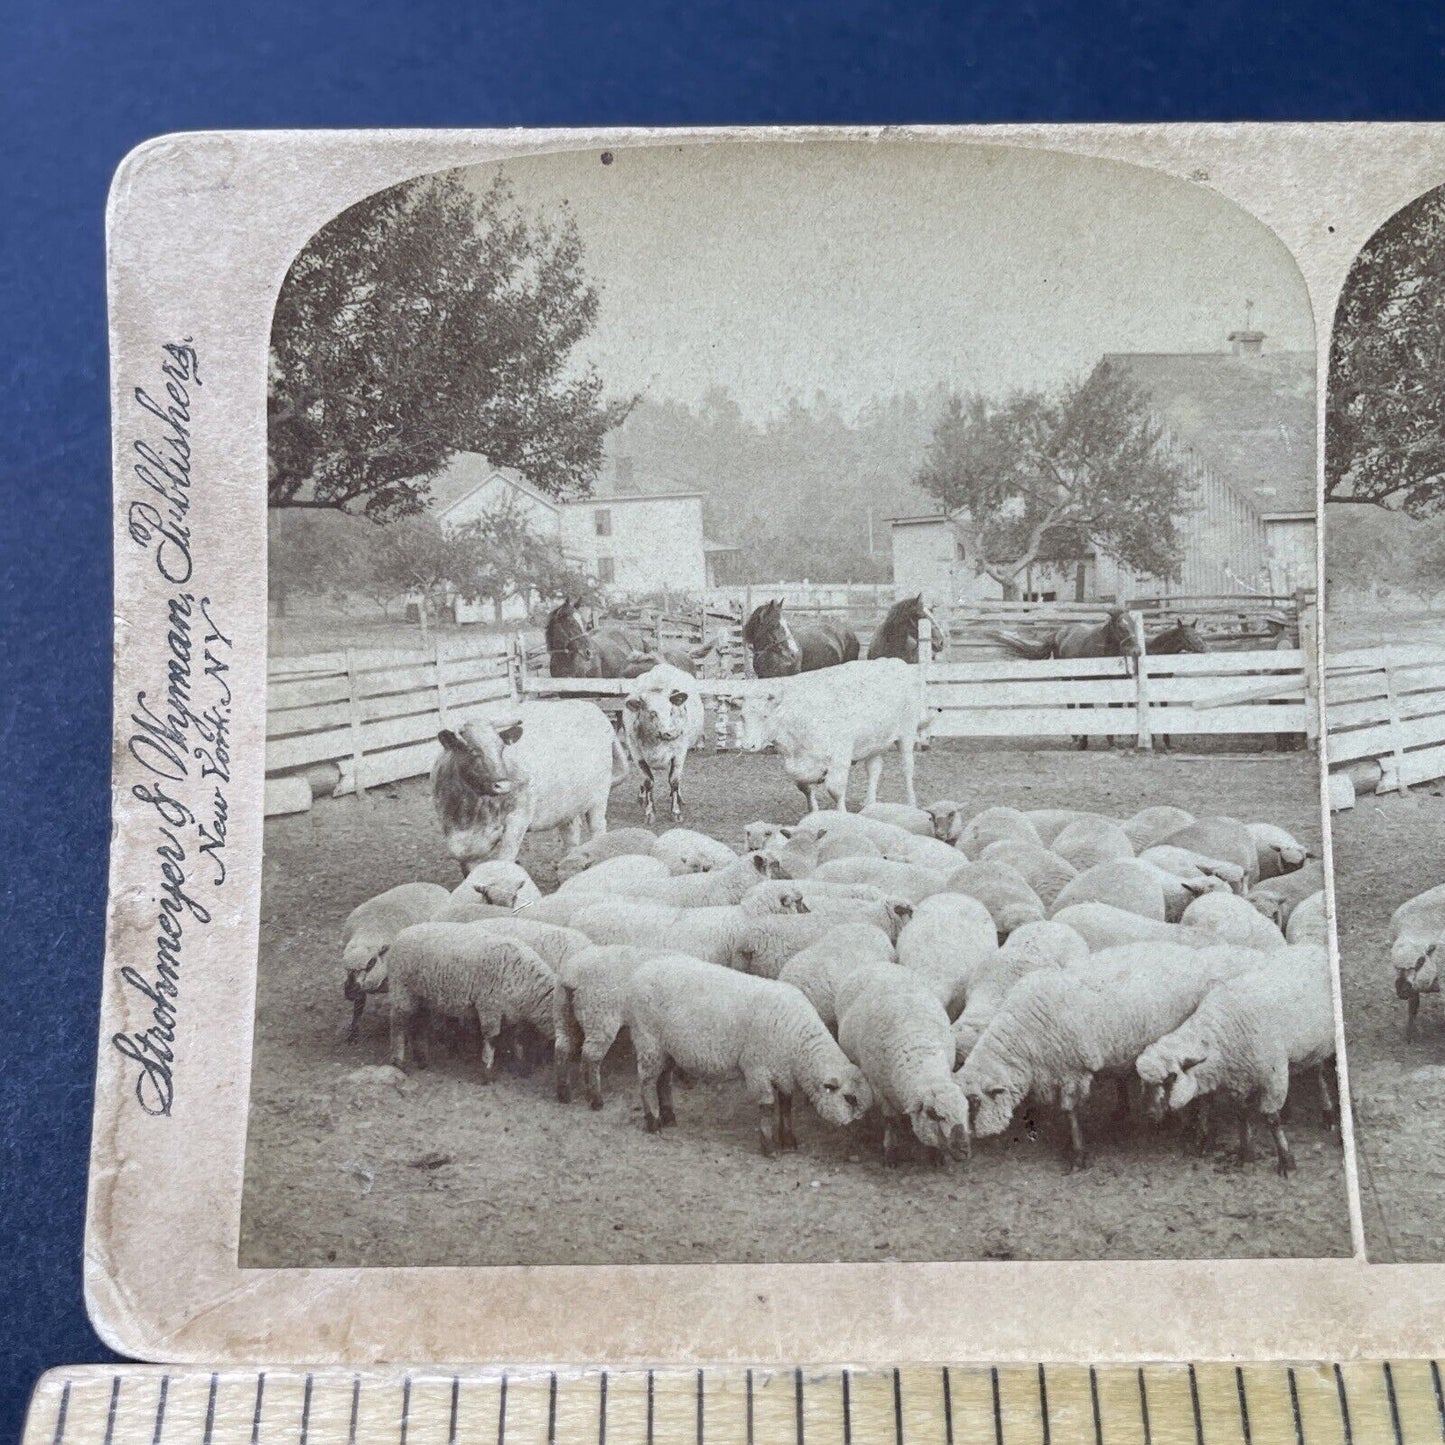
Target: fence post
[(1397, 742), (1308, 625), (925, 667), (353, 699), (441, 685), (1141, 685)]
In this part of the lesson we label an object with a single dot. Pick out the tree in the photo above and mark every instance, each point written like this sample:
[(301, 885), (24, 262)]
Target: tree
[(501, 555), (315, 554), (1385, 412), (1037, 476), (418, 555), (425, 320)]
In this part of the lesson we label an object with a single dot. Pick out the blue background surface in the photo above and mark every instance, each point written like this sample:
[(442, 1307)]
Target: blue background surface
[(81, 83)]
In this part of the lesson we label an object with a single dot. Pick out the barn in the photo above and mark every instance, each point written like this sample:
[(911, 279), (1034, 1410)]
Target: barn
[(1242, 424)]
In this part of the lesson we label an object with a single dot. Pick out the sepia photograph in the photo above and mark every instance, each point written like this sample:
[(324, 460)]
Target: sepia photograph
[(792, 721), (1385, 685)]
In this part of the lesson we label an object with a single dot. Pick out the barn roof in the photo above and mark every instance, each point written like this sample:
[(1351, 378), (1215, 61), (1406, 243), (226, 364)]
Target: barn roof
[(467, 471), (1250, 419)]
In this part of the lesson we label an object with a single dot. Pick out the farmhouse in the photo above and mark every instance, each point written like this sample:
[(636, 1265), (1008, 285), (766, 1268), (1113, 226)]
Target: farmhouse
[(629, 539), (1242, 425)]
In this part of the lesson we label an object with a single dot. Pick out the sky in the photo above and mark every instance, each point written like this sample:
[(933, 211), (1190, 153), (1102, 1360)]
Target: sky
[(864, 270)]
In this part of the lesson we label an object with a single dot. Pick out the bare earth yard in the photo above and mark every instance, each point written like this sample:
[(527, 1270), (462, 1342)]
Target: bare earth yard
[(449, 1171)]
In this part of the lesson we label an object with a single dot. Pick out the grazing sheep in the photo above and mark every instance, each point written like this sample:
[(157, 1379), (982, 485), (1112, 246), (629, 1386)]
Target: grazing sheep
[(1232, 920), (684, 851), (1244, 1038), (764, 944), (704, 890), (1050, 822), (1042, 869), (947, 818), (950, 937), (603, 846), (589, 1008), (1224, 838), (1033, 947), (621, 874), (1189, 865), (1279, 852), (712, 1022), (994, 824), (807, 895), (462, 970), (1102, 926), (899, 1036), (1417, 928), (562, 907), (1002, 890), (370, 930), (833, 823), (1149, 825), (1309, 923), (901, 815), (507, 885), (1122, 882), (1278, 896), (552, 943), (662, 717), (1059, 1029), (1087, 841), (903, 880), (840, 845), (468, 910), (924, 852), (819, 970), (757, 836), (711, 932)]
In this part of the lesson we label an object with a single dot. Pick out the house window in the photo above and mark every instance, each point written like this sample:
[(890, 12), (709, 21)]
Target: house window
[(602, 521), (959, 555), (606, 570), (1041, 597)]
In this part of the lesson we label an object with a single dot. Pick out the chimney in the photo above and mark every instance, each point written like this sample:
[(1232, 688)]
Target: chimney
[(1246, 343)]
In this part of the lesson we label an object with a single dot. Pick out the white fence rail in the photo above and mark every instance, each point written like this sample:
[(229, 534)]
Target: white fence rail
[(1385, 714)]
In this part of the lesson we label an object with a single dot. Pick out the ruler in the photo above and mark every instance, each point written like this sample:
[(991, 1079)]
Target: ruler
[(1397, 1403)]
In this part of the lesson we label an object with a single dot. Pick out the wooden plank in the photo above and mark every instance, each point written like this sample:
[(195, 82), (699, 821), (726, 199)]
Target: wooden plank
[(398, 679), (1396, 655), (1392, 709), (305, 664), (357, 746), (441, 688), (1049, 693), (287, 695), (1027, 670), (1379, 739), (964, 722), (1376, 709), (286, 795), (1265, 718)]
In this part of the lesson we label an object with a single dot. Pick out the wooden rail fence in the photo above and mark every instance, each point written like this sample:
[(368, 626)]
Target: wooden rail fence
[(1385, 714)]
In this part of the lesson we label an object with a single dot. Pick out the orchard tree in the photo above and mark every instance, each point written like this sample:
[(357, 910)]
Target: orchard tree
[(318, 555), (424, 320), (501, 555), (417, 555), (1385, 413), (1036, 475)]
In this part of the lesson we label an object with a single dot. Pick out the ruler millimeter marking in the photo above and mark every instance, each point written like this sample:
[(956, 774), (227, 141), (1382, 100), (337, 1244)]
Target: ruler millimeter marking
[(1399, 1402)]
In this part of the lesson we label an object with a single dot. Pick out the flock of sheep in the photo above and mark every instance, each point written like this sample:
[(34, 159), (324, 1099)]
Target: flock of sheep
[(941, 967)]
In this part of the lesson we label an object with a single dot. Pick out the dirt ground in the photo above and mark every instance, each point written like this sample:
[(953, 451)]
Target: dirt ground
[(445, 1170)]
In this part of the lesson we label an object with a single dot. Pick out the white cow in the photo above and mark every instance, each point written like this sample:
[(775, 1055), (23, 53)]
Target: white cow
[(823, 722), (662, 718), (536, 765)]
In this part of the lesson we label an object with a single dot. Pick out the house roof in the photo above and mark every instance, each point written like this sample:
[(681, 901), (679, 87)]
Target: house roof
[(708, 545), (610, 499), (467, 471), (1250, 419)]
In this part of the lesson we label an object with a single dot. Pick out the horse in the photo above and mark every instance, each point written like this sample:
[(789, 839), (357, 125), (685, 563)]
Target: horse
[(779, 650), (1113, 637), (1179, 637), (897, 634), (581, 651)]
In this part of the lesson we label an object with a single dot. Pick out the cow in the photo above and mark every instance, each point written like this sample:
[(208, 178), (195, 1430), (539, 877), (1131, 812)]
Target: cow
[(662, 717), (537, 765), (822, 722)]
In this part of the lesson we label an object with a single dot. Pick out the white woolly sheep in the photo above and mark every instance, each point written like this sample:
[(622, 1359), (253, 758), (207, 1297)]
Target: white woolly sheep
[(923, 852), (1050, 822), (621, 874), (766, 942), (1183, 863), (1042, 869), (562, 907), (1059, 1029), (1123, 882), (706, 890), (462, 969), (899, 1035), (370, 930), (1102, 926), (686, 851), (819, 970), (1278, 896), (1243, 1039), (1002, 890), (902, 880), (1224, 838), (712, 932), (1033, 947), (551, 942), (1087, 841), (990, 826), (1278, 852), (757, 836), (1149, 825), (589, 1008), (1232, 920), (901, 815), (807, 895), (1417, 930), (605, 845), (1309, 923), (507, 885), (712, 1023), (950, 937), (468, 910)]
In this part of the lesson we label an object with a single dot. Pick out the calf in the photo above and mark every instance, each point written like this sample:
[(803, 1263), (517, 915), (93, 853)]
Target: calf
[(662, 718), (540, 765)]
